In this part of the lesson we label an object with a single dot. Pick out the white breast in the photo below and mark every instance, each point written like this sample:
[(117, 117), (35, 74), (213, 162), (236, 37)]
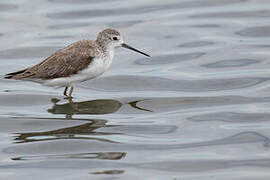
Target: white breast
[(97, 67)]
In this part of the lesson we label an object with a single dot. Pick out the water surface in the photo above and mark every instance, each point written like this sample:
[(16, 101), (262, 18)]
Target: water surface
[(198, 109)]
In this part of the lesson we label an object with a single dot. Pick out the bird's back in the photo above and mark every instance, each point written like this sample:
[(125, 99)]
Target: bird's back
[(62, 63)]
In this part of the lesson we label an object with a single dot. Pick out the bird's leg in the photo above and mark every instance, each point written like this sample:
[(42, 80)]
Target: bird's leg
[(70, 92), (65, 91)]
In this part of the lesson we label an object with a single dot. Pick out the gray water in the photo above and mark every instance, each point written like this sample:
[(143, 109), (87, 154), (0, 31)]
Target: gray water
[(198, 109)]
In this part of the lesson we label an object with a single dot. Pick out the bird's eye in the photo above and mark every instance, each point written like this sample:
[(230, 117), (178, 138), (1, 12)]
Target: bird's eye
[(115, 38)]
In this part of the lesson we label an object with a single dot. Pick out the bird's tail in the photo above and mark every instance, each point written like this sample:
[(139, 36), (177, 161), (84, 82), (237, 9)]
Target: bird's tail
[(14, 74)]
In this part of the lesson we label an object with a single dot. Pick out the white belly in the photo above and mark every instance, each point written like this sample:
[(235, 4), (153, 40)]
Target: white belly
[(95, 69)]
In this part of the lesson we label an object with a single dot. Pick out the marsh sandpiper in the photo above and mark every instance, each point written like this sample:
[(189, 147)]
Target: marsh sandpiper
[(78, 62)]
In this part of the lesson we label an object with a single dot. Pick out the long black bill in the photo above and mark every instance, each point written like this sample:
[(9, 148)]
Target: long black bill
[(129, 47)]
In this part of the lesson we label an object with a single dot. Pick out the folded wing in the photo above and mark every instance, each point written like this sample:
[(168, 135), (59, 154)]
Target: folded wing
[(63, 63)]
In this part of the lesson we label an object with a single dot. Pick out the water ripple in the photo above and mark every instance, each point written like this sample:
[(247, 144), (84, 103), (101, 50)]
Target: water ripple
[(147, 83), (263, 31), (168, 59), (199, 106), (232, 63)]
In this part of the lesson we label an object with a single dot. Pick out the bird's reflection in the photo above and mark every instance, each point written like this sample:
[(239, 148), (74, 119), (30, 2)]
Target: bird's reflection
[(99, 106), (85, 131), (134, 104)]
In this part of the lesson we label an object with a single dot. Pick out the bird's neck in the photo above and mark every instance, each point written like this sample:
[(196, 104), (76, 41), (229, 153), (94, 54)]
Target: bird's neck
[(106, 49)]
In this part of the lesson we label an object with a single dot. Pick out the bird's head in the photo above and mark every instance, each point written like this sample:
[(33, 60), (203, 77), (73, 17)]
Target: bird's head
[(111, 38)]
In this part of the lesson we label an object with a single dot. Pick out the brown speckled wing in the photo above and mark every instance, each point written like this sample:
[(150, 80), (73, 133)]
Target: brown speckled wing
[(63, 63)]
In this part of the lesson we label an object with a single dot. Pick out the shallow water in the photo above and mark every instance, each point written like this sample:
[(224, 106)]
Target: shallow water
[(198, 109)]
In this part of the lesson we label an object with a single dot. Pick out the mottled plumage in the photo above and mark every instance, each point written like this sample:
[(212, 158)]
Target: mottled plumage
[(80, 61), (63, 63)]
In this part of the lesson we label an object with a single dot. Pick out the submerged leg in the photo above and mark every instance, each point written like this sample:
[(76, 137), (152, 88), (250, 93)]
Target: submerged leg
[(70, 92), (65, 91)]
